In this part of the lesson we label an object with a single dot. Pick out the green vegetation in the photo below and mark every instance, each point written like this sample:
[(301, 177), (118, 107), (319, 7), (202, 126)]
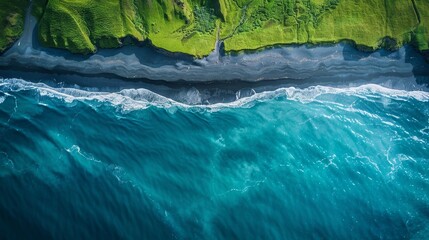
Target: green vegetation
[(192, 26), (38, 8), (81, 25), (180, 25), (205, 20), (366, 22), (12, 14), (422, 32)]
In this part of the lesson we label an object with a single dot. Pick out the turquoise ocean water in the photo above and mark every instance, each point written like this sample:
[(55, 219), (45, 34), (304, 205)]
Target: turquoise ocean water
[(313, 163)]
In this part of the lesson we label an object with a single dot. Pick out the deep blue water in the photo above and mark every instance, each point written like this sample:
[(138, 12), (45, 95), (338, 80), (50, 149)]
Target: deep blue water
[(313, 163)]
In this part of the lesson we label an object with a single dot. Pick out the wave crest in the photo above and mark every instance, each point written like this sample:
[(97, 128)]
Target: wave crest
[(141, 98)]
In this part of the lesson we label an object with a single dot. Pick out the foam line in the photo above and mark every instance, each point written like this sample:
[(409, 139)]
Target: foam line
[(134, 99)]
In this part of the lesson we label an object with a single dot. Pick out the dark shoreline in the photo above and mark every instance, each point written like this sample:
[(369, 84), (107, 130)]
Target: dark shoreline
[(221, 75), (298, 62), (209, 92)]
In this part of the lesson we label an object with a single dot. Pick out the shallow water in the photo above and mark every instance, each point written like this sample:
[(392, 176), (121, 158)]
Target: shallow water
[(291, 163)]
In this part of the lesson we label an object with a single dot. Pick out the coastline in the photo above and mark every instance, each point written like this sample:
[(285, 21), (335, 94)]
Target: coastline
[(388, 42), (309, 62), (254, 25)]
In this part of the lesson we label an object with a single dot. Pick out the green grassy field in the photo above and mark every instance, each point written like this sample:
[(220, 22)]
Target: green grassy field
[(83, 25), (366, 22), (186, 26), (12, 14), (421, 34), (192, 26)]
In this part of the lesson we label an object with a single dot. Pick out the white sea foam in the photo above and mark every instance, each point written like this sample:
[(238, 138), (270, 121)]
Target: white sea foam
[(134, 99)]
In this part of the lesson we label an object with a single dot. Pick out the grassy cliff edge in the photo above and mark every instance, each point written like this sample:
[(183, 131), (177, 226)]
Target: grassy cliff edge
[(193, 26), (12, 14)]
